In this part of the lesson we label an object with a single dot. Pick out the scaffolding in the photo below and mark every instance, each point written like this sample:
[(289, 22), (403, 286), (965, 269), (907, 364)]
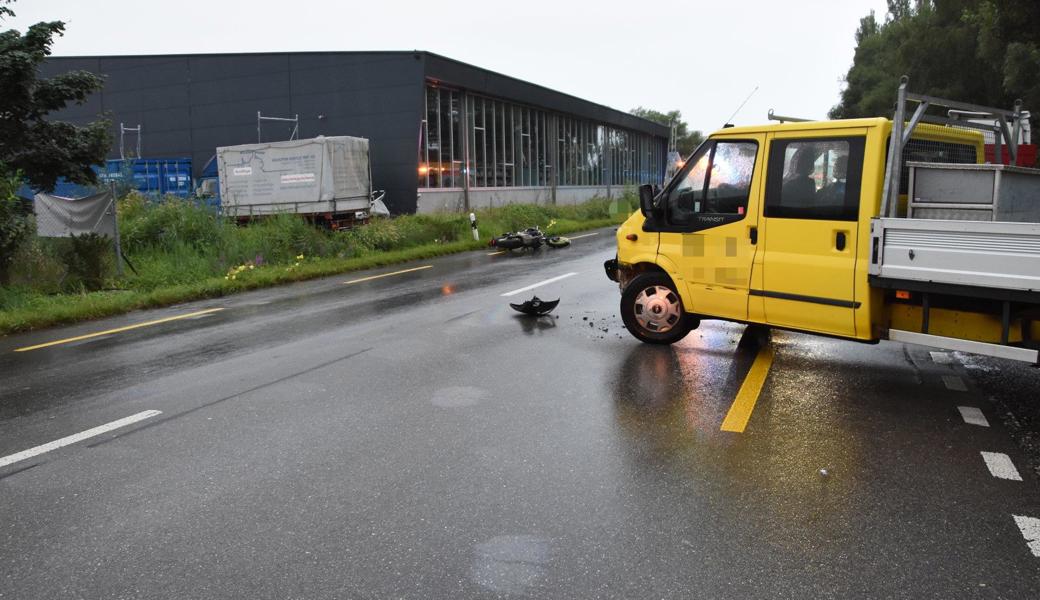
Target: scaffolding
[(123, 130), (260, 119)]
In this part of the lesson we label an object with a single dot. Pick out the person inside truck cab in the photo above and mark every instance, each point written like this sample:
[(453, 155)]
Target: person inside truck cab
[(799, 188), (834, 192)]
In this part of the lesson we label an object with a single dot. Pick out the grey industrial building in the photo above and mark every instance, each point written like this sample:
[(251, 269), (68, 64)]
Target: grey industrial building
[(444, 135)]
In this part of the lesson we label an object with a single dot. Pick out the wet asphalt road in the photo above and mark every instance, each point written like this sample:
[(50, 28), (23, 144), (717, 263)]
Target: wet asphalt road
[(412, 437)]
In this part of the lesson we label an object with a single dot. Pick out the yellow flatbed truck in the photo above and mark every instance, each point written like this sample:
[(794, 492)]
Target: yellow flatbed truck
[(864, 229)]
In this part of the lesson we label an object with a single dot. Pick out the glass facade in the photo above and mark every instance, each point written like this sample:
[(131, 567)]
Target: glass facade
[(441, 144), (502, 144), (507, 144)]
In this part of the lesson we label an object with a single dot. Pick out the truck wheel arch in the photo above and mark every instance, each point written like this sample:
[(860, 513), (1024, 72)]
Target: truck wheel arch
[(629, 272)]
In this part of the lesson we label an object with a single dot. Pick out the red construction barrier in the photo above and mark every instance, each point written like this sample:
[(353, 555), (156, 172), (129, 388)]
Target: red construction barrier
[(1026, 155)]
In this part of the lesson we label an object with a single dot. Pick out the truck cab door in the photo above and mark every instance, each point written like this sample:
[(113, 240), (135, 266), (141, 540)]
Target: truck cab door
[(708, 238), (809, 231)]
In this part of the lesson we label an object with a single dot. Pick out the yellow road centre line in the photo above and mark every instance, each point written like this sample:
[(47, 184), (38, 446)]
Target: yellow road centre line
[(118, 330), (739, 413), (387, 274)]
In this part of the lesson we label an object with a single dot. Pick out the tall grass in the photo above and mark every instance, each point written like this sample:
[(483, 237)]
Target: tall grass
[(182, 251)]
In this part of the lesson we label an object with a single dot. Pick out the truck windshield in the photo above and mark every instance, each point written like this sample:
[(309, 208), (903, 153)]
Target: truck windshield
[(716, 181)]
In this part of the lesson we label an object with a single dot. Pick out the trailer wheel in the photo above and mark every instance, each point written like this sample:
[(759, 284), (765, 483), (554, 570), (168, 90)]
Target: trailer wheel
[(653, 311)]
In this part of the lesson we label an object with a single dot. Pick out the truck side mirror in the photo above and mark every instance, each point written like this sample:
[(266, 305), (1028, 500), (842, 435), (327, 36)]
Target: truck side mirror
[(646, 201)]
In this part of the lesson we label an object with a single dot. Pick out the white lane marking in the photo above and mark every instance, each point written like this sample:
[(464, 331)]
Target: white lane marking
[(77, 437), (539, 284), (954, 383), (1000, 466), (941, 358), (973, 416), (578, 237), (1030, 528)]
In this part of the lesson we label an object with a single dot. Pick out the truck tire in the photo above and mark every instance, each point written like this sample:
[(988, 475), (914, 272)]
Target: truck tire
[(653, 312)]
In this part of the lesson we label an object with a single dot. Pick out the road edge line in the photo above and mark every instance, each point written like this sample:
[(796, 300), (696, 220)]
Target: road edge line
[(118, 330)]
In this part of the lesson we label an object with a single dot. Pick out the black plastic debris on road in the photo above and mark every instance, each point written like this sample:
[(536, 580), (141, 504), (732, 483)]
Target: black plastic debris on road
[(536, 307)]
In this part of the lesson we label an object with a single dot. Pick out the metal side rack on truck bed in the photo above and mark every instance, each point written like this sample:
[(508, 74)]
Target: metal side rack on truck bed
[(965, 243)]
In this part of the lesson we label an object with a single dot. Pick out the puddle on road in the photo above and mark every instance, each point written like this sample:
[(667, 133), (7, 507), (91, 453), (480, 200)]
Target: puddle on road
[(511, 564), (458, 396)]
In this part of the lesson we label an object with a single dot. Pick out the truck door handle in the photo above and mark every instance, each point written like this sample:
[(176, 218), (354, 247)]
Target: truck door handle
[(839, 241), (753, 234)]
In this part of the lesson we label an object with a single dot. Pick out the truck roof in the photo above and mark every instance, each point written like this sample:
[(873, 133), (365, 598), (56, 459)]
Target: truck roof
[(924, 130)]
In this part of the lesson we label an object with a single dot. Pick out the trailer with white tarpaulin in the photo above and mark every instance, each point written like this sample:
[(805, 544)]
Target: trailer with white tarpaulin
[(327, 179)]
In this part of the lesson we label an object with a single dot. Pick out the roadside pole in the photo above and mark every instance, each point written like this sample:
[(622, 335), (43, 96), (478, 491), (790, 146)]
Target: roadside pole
[(115, 220)]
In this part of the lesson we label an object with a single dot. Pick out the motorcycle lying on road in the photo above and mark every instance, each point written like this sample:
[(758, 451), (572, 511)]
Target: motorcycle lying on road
[(532, 238)]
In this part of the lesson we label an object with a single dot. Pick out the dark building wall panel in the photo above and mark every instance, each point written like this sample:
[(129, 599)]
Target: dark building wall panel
[(229, 67), (390, 99), (158, 97), (143, 73), (172, 143), (240, 88), (377, 96), (242, 114)]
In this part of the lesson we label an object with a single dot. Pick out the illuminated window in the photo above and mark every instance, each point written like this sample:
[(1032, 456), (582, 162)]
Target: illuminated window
[(440, 139)]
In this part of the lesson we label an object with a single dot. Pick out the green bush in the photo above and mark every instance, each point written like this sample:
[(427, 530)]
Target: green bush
[(424, 229), (513, 217), (274, 240), (144, 224), (37, 267), (177, 265), (380, 234), (88, 257)]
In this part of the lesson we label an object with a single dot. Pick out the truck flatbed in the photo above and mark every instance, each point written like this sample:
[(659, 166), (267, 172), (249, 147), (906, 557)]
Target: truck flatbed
[(999, 255)]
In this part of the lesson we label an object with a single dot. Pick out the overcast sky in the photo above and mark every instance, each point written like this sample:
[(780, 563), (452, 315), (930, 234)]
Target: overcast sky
[(702, 58)]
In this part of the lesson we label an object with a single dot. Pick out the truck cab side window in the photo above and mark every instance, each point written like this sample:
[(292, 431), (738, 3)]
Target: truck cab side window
[(715, 183), (815, 179)]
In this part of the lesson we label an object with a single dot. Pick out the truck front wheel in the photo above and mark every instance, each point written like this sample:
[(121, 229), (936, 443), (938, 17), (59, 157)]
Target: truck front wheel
[(653, 312)]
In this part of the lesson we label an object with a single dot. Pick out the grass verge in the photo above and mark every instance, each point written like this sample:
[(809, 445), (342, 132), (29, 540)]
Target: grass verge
[(185, 257)]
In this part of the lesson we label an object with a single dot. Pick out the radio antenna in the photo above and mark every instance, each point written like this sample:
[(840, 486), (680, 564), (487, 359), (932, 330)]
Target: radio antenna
[(741, 106)]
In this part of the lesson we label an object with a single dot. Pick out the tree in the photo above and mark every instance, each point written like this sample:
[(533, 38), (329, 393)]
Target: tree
[(686, 141), (14, 227), (43, 150), (982, 52)]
